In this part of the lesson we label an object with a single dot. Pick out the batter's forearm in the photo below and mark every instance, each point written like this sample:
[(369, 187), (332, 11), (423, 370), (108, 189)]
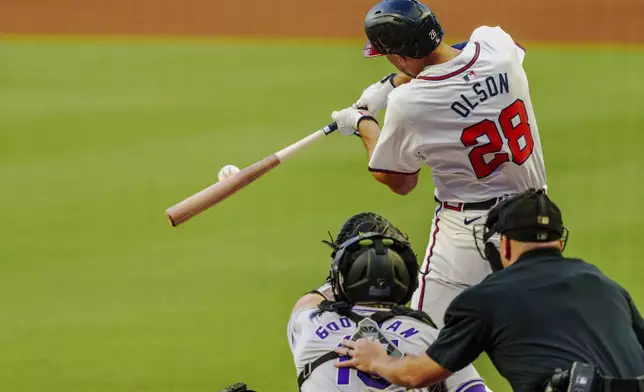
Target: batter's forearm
[(401, 184), (369, 133)]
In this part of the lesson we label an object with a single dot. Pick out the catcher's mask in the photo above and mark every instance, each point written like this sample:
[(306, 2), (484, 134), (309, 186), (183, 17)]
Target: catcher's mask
[(529, 216), (374, 268)]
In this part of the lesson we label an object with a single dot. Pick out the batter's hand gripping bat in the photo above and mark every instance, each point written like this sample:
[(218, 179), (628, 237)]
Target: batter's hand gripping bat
[(199, 202)]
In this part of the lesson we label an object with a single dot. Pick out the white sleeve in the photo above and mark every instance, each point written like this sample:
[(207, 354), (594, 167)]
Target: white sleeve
[(466, 380), (296, 325), (496, 36), (520, 51), (396, 151)]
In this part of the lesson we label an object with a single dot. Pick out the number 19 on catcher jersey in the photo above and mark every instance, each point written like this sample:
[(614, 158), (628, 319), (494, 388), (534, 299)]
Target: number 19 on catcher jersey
[(313, 334)]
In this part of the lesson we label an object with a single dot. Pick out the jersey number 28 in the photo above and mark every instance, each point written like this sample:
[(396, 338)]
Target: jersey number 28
[(516, 129)]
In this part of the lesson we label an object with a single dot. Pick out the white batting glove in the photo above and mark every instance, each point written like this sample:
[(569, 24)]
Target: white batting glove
[(374, 97), (348, 119)]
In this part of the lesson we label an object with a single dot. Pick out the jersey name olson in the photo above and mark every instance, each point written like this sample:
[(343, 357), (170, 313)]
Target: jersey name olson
[(344, 323), (489, 88)]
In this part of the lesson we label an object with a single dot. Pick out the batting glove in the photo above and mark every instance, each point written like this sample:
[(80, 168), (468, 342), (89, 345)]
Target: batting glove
[(374, 97), (348, 119)]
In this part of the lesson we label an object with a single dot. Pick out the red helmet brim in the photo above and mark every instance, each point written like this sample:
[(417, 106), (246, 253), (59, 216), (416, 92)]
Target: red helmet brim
[(370, 50)]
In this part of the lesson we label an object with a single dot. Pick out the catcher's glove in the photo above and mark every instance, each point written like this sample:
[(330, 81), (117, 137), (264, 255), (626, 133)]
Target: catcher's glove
[(238, 387), (365, 222)]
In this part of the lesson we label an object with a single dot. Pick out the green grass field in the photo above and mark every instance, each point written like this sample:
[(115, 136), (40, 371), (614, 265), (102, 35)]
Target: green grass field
[(97, 138)]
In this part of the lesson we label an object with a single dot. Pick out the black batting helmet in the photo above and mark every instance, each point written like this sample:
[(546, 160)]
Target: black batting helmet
[(374, 268), (403, 27)]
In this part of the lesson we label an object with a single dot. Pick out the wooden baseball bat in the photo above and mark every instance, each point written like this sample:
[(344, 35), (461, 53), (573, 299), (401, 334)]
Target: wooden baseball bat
[(201, 201)]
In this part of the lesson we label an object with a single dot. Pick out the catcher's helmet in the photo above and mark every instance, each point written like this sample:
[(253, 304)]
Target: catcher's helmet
[(374, 268), (404, 27), (366, 222)]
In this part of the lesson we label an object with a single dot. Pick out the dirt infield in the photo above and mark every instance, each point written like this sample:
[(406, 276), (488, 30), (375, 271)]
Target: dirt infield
[(542, 20)]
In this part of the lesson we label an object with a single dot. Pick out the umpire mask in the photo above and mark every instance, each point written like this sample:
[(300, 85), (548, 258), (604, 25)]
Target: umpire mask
[(374, 268), (529, 216)]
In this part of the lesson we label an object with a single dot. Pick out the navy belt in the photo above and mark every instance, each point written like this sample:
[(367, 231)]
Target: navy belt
[(478, 206)]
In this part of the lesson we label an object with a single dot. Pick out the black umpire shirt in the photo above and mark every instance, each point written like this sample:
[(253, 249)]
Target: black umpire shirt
[(542, 313)]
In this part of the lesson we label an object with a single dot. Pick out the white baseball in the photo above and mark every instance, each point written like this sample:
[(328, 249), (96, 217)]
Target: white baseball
[(227, 171)]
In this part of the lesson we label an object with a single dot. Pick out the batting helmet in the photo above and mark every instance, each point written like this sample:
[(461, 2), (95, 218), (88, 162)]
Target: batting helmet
[(404, 27)]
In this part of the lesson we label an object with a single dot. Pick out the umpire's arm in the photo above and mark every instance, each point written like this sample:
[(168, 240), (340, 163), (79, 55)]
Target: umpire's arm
[(410, 371), (638, 323), (459, 343)]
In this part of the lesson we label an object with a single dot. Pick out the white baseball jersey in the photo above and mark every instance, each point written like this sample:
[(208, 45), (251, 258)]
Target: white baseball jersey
[(469, 119), (312, 334)]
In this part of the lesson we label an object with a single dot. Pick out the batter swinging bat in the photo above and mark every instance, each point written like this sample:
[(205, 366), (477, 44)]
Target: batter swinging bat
[(199, 202)]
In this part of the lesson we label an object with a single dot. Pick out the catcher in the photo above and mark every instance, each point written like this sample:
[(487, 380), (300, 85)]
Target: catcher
[(372, 276)]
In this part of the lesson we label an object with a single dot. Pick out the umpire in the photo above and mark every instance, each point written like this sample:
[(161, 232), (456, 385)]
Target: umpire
[(538, 314)]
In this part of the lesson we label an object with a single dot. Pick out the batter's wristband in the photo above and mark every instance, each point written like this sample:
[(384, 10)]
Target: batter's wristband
[(365, 117), (389, 78)]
